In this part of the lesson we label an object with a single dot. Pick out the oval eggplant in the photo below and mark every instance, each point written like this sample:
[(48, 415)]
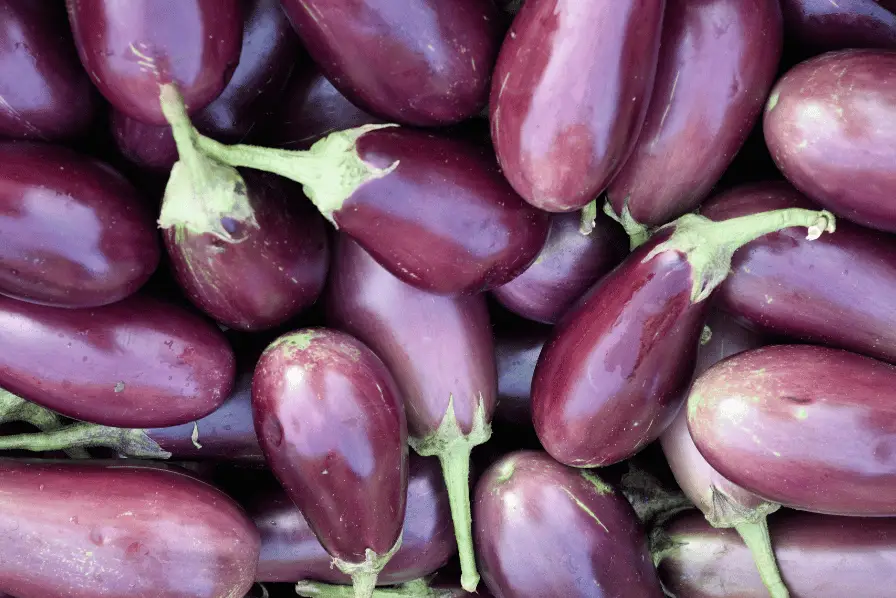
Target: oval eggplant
[(718, 63), (569, 96), (568, 264), (543, 529), (131, 48), (120, 531), (45, 92), (133, 364), (805, 426), (426, 64), (331, 424), (75, 233), (150, 147), (516, 354), (816, 26), (820, 126)]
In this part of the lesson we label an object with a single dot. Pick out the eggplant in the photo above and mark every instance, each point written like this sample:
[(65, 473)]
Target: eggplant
[(719, 61), (82, 530), (418, 588), (134, 364), (131, 48), (570, 94), (544, 529), (425, 64), (812, 291), (516, 354), (150, 147), (441, 352), (805, 426), (75, 232), (821, 556), (332, 427), (816, 26), (46, 94), (615, 370), (567, 266), (820, 128)]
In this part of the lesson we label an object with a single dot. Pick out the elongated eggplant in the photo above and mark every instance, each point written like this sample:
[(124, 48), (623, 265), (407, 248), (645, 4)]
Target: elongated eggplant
[(131, 48), (614, 373), (569, 96), (820, 127), (544, 529), (150, 147), (136, 363), (805, 426), (568, 264), (426, 64), (86, 530), (441, 353), (516, 354), (718, 63), (821, 556), (816, 26), (74, 231), (332, 426), (45, 92)]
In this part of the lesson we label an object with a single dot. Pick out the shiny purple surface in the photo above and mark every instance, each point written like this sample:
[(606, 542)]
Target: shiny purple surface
[(821, 25), (148, 146), (516, 354)]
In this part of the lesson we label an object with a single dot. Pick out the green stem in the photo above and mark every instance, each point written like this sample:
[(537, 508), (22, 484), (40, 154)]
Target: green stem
[(757, 539), (589, 217), (364, 575), (185, 136), (130, 442), (15, 408), (417, 588), (637, 232)]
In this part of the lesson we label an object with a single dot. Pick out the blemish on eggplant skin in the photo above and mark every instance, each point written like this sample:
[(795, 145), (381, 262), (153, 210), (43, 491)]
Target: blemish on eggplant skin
[(119, 386), (772, 101), (505, 472), (584, 507)]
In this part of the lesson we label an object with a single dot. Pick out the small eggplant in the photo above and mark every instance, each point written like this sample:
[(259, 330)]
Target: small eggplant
[(332, 426), (817, 26), (516, 354)]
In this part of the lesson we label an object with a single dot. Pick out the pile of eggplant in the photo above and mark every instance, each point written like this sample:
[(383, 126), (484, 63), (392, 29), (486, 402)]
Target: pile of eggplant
[(445, 298)]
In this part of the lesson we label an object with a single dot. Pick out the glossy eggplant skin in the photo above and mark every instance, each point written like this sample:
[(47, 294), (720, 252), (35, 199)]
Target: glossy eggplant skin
[(137, 363), (544, 529), (606, 383), (46, 93), (569, 96), (444, 219), (516, 354), (567, 266), (426, 64), (150, 147), (813, 291), (819, 127), (718, 63), (83, 530), (290, 552), (131, 48), (821, 25), (75, 233), (820, 556), (436, 346), (805, 426), (331, 423)]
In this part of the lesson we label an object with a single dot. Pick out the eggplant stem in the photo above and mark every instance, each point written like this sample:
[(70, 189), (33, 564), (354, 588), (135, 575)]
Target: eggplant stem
[(417, 588), (637, 232), (757, 539), (15, 408), (130, 442), (589, 218), (364, 575)]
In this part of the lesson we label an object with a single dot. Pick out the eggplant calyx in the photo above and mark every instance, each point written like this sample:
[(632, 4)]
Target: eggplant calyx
[(417, 588), (130, 442), (653, 503), (364, 574), (637, 233), (726, 512), (14, 408)]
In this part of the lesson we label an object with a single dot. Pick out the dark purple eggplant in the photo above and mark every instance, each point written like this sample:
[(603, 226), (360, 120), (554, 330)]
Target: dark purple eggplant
[(332, 427), (516, 354), (424, 64), (820, 556), (120, 531), (813, 291), (440, 350), (136, 363), (816, 26), (822, 126), (544, 529), (131, 48), (614, 373), (150, 147), (805, 426), (718, 63), (44, 92), (569, 96), (75, 233), (566, 267)]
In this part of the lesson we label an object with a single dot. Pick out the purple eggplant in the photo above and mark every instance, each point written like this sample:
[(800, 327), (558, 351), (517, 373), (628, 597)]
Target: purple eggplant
[(822, 128), (614, 373), (75, 233), (718, 63), (150, 147), (805, 426), (440, 350), (569, 96), (45, 92), (332, 427), (544, 529), (87, 530), (820, 556), (131, 48), (424, 64), (817, 26), (136, 363), (516, 354), (566, 267)]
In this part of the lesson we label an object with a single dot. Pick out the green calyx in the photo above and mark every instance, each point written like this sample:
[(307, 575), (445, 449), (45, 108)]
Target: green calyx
[(726, 513), (637, 232), (364, 574), (589, 218), (81, 435), (418, 588)]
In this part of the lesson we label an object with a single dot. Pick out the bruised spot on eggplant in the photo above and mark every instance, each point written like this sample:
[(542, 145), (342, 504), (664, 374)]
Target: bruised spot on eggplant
[(798, 400)]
